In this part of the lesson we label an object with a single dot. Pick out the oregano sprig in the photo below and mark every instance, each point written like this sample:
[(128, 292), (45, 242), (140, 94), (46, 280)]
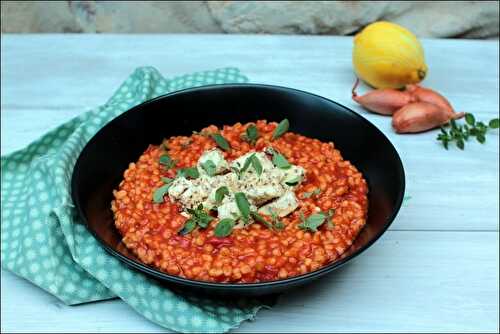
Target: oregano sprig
[(460, 133), (199, 218)]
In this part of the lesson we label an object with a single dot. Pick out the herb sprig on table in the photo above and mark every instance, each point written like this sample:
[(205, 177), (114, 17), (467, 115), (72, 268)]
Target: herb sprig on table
[(460, 133)]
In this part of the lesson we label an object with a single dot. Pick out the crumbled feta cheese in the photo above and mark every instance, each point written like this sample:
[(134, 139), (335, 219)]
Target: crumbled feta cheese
[(228, 209), (178, 186), (293, 173), (268, 186), (282, 206)]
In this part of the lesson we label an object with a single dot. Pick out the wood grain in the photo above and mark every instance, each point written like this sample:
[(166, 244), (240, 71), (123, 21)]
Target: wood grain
[(408, 281), (435, 270)]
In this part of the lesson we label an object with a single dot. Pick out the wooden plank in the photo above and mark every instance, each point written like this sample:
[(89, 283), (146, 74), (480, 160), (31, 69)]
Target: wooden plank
[(408, 281), (435, 270)]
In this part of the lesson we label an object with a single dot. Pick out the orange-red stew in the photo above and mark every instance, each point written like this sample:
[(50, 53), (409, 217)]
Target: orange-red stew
[(255, 253)]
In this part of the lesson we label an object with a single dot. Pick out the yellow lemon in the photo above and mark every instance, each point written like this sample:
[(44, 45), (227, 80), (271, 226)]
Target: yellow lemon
[(386, 55)]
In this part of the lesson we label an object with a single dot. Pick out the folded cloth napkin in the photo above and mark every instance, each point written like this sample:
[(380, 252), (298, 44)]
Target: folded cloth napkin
[(43, 242)]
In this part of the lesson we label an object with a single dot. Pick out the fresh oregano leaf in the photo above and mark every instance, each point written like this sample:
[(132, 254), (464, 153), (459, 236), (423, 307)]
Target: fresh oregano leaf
[(247, 163), (257, 165), (312, 222), (237, 172), (279, 225), (480, 138), (453, 124), (167, 161), (220, 193), (209, 167), (224, 228), (253, 161), (188, 227), (203, 219), (260, 219), (160, 192), (243, 205), (221, 141), (166, 179), (281, 129), (251, 134), (190, 172), (280, 161), (494, 123), (469, 118)]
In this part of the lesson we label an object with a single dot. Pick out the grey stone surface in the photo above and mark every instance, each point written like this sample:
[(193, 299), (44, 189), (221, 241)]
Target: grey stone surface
[(426, 19), (469, 19)]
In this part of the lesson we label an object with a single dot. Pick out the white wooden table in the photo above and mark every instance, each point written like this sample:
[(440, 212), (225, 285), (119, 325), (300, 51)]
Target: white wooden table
[(436, 269)]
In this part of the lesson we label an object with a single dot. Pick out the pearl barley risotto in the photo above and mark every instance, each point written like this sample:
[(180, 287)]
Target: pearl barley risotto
[(246, 203)]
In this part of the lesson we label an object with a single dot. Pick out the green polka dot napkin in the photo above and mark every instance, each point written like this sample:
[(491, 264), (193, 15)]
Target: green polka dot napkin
[(43, 242)]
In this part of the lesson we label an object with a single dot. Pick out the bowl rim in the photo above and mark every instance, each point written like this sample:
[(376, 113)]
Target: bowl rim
[(240, 286)]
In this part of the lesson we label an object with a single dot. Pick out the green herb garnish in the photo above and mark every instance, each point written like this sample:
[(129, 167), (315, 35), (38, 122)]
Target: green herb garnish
[(279, 225), (312, 222), (294, 181), (247, 163), (209, 167), (188, 227), (255, 162), (221, 141), (260, 219), (160, 192), (224, 228), (201, 217), (308, 194), (281, 129), (461, 133), (257, 165), (220, 193), (190, 172), (167, 161), (237, 172), (251, 134), (280, 161), (243, 205)]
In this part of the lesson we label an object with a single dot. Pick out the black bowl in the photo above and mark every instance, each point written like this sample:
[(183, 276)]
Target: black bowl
[(102, 162)]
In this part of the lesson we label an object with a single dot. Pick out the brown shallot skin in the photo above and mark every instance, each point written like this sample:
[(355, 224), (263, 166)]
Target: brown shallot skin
[(382, 101), (422, 94), (421, 116)]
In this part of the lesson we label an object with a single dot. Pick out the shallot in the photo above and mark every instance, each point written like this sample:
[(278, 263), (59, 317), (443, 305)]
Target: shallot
[(422, 116), (382, 101), (422, 94)]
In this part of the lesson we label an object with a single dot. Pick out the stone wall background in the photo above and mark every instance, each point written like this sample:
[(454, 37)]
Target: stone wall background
[(466, 19)]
